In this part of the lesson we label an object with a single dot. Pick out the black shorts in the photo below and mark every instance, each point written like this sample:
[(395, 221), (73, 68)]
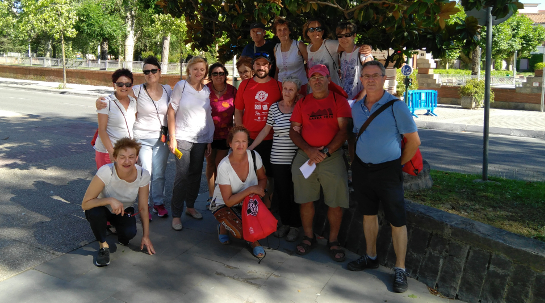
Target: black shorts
[(220, 144), (264, 150), (376, 183)]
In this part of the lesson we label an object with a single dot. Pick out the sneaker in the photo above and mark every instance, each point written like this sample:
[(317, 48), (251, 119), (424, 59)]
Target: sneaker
[(103, 257), (282, 231), (160, 210), (293, 234), (400, 280), (363, 263)]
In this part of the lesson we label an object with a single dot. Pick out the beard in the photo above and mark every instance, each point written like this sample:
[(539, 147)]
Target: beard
[(261, 74)]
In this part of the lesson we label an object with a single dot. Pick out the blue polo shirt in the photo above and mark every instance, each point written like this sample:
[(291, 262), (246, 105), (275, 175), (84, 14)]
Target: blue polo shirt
[(381, 141)]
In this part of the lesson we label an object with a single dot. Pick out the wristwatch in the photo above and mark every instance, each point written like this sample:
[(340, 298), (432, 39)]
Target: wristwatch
[(325, 150)]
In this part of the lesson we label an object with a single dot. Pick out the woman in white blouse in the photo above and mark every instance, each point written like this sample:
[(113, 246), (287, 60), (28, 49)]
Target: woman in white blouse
[(110, 196), (191, 131), (116, 119)]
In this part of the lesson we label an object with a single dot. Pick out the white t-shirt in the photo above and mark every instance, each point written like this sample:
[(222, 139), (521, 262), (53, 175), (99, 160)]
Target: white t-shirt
[(326, 55), (151, 115), (120, 121), (350, 73), (193, 113), (290, 63), (228, 176), (122, 190)]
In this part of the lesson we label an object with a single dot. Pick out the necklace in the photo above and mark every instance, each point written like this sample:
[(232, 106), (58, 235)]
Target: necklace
[(218, 91)]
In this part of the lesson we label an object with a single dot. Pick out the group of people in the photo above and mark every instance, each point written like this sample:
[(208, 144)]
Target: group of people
[(292, 109)]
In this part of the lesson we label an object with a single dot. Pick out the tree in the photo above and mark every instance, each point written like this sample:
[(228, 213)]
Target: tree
[(403, 25), (99, 23), (56, 18)]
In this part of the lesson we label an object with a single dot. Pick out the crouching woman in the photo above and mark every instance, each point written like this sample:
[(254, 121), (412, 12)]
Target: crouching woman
[(239, 175), (110, 196)]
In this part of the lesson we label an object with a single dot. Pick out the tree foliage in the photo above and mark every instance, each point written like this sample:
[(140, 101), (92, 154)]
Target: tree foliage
[(403, 25)]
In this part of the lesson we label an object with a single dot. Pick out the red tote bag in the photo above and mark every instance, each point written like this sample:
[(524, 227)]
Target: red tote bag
[(257, 220), (415, 165)]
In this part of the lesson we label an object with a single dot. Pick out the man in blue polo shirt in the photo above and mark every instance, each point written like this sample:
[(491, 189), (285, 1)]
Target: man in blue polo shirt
[(376, 169)]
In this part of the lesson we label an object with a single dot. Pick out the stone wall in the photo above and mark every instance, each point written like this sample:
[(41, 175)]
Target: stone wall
[(458, 257)]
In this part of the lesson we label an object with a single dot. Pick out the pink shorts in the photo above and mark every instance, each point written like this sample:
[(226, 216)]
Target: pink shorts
[(102, 158)]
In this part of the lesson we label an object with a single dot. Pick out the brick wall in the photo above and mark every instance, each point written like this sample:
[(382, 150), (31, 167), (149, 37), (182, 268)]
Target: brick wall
[(78, 76)]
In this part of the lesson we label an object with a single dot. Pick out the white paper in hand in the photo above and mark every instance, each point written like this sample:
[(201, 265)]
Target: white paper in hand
[(307, 169)]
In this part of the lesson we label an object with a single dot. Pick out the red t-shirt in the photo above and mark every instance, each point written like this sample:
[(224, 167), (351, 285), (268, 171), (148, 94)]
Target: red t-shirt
[(319, 117), (255, 99)]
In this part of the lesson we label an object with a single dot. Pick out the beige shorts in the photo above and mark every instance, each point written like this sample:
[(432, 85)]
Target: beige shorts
[(330, 174)]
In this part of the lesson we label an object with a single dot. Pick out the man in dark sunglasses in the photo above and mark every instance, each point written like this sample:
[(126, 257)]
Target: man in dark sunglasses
[(260, 45)]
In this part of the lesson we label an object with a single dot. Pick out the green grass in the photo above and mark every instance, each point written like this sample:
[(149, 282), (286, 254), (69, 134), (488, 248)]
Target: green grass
[(513, 205)]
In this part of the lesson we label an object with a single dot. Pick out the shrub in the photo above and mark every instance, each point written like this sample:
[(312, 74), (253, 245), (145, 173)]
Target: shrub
[(539, 65), (535, 58), (475, 88)]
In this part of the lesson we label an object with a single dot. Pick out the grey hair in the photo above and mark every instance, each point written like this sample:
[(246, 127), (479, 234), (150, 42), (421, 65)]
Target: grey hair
[(293, 80), (375, 63)]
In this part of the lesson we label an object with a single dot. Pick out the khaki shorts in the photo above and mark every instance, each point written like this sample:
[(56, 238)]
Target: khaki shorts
[(330, 174)]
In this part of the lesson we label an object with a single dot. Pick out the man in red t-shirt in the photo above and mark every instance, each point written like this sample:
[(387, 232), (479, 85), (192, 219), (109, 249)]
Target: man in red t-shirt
[(252, 102), (319, 128)]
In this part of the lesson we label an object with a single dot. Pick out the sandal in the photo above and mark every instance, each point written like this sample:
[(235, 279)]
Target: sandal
[(256, 251), (224, 239), (333, 252), (305, 246)]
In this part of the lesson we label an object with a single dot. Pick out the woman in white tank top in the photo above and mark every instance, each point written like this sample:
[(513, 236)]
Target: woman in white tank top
[(290, 54)]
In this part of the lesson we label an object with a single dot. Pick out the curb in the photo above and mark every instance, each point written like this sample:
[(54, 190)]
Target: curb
[(452, 127)]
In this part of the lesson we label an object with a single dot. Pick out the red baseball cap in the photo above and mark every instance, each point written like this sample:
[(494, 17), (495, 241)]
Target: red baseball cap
[(318, 68)]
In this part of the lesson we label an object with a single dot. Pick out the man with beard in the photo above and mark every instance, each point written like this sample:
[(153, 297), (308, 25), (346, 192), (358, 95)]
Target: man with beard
[(254, 98)]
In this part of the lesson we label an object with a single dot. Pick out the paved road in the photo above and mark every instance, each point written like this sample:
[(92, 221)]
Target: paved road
[(47, 248)]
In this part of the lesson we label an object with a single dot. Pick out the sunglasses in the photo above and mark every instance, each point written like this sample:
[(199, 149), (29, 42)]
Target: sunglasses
[(215, 74), (153, 71), (313, 29), (121, 84), (339, 36), (256, 55)]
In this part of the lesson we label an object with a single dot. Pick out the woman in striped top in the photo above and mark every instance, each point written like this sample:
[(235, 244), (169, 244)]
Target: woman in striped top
[(282, 153)]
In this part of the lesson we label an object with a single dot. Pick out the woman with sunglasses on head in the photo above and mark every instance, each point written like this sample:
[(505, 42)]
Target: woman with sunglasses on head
[(150, 129), (116, 119), (290, 54), (325, 51), (222, 98), (191, 131)]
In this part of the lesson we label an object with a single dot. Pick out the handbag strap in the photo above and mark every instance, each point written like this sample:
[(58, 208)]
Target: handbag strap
[(373, 115), (124, 118), (252, 152), (153, 102)]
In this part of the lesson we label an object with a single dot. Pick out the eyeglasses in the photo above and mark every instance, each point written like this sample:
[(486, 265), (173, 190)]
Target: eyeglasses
[(373, 76), (256, 55), (153, 71), (215, 74), (312, 29), (339, 36), (121, 84)]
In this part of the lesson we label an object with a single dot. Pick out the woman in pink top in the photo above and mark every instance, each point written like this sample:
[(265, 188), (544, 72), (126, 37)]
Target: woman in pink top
[(222, 98)]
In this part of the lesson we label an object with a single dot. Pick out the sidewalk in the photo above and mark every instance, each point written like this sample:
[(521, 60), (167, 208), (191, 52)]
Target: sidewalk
[(192, 266), (449, 117)]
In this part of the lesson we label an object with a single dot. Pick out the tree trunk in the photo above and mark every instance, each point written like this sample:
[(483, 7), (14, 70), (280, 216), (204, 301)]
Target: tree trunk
[(164, 54), (104, 49), (476, 62), (63, 63), (48, 49), (129, 42)]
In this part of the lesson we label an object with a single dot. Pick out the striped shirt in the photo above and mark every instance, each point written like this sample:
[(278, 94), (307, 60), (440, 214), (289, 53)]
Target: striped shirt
[(283, 149)]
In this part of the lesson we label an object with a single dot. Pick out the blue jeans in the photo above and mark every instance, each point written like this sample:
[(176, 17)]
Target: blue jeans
[(153, 158)]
